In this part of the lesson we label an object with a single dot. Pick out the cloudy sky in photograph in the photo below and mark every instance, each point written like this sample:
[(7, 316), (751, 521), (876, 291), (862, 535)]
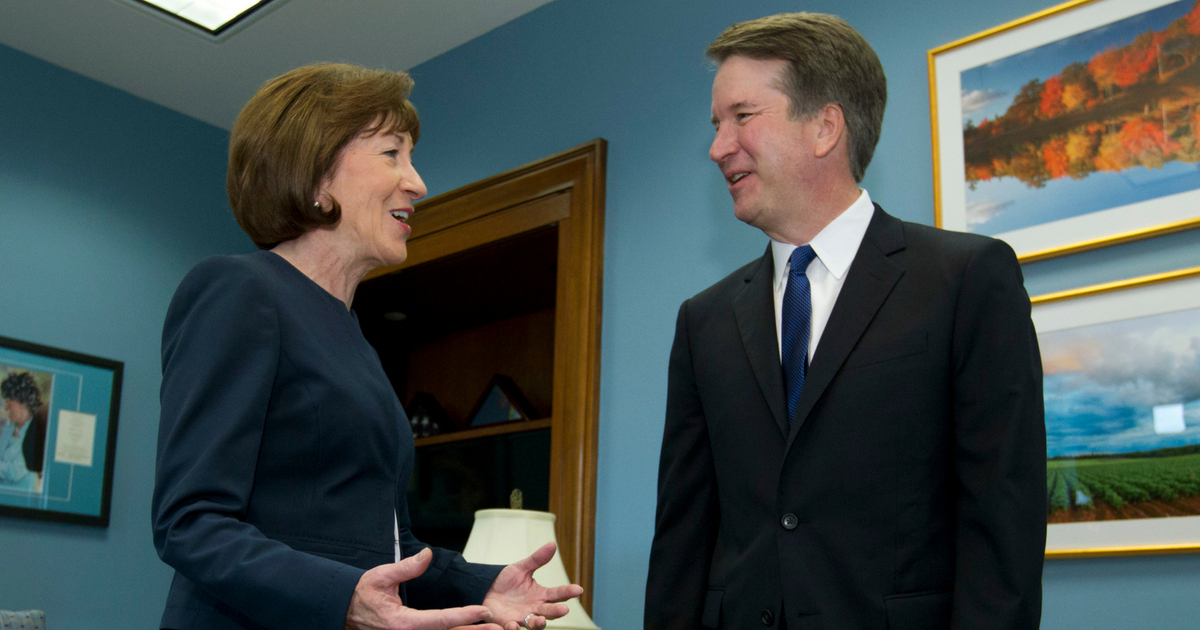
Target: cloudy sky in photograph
[(1102, 383)]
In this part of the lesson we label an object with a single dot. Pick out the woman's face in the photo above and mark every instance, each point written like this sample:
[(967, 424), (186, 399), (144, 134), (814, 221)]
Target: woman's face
[(17, 412), (376, 185)]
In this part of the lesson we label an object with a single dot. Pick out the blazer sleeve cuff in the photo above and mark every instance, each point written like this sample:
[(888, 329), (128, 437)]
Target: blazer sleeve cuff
[(450, 581), (337, 595)]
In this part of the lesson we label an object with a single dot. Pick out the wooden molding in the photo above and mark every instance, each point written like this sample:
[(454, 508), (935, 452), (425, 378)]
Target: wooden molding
[(487, 431), (566, 189)]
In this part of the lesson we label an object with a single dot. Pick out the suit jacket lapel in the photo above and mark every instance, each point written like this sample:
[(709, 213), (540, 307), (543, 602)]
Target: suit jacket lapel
[(754, 310), (868, 283)]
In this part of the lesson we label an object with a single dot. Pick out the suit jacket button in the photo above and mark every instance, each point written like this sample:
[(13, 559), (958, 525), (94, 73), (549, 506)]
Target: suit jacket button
[(790, 521), (767, 618)]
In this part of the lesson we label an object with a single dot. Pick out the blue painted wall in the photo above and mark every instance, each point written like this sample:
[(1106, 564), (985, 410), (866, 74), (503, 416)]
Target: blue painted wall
[(105, 202), (634, 72)]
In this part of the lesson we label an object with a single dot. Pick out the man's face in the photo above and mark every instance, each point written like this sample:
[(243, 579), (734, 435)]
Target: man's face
[(765, 156)]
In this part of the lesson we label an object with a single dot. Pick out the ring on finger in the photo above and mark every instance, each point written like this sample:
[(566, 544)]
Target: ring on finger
[(526, 622)]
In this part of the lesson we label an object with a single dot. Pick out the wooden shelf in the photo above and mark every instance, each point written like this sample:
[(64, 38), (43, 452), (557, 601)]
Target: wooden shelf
[(488, 431), (503, 276)]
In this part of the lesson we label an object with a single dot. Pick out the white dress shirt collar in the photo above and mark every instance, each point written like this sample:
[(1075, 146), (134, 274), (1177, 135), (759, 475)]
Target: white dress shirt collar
[(835, 245)]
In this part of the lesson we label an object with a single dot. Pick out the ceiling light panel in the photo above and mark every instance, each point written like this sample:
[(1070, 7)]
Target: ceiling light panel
[(210, 15)]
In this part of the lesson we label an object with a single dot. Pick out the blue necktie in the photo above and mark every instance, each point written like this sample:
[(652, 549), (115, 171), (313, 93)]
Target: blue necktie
[(797, 326)]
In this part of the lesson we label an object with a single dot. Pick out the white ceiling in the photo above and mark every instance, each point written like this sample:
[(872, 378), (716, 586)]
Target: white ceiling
[(136, 49)]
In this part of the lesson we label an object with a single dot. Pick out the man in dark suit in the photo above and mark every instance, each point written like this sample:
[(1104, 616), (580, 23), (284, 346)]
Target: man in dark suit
[(854, 434)]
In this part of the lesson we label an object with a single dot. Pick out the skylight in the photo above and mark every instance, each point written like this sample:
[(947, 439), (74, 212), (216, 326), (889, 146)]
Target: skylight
[(212, 16)]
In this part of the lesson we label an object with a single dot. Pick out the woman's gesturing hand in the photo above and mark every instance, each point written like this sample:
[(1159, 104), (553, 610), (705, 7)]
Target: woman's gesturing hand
[(377, 606), (519, 601)]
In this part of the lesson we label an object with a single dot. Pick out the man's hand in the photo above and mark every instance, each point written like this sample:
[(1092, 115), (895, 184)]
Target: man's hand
[(515, 595), (377, 606)]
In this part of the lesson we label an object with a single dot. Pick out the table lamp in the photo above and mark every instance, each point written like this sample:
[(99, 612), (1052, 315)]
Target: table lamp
[(506, 536)]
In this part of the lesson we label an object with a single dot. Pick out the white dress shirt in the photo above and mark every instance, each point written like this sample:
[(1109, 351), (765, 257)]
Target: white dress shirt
[(835, 247)]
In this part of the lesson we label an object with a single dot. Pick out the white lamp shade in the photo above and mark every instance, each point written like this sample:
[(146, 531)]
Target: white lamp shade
[(506, 536)]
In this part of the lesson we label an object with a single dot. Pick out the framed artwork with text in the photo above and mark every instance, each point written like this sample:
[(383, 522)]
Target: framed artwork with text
[(58, 433)]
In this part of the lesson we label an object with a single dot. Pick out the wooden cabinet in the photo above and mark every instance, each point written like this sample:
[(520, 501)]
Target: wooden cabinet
[(503, 277)]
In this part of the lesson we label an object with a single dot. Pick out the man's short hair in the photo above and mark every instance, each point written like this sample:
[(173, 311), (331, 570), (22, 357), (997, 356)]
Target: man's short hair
[(289, 136), (828, 62)]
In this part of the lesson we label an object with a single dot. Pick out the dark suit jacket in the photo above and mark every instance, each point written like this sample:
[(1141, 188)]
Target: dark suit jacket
[(910, 491), (282, 454), (33, 447)]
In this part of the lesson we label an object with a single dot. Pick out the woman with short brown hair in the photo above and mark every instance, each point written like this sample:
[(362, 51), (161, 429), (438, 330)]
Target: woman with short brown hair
[(284, 455)]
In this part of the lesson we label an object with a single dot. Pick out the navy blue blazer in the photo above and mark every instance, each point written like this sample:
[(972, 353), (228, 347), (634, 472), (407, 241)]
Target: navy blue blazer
[(282, 455)]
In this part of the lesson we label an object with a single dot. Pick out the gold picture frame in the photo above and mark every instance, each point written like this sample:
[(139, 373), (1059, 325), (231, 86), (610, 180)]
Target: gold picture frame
[(1123, 439), (1035, 175)]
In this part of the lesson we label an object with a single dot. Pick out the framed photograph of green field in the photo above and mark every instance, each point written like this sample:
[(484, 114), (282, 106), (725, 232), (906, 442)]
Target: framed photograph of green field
[(1121, 364), (1070, 129)]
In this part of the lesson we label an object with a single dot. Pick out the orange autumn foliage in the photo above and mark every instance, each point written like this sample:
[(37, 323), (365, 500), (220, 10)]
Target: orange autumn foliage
[(980, 172), (1054, 154), (1127, 65), (1134, 63), (1052, 93), (1112, 155), (1130, 133), (1103, 66), (1081, 146), (1074, 96), (1141, 137)]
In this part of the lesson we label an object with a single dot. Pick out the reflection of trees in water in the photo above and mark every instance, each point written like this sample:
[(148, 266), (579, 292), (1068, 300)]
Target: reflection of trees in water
[(1128, 106), (1173, 135)]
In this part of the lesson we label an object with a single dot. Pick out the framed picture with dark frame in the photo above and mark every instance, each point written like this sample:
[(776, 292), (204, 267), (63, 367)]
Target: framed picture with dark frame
[(1121, 365), (58, 433), (1070, 129)]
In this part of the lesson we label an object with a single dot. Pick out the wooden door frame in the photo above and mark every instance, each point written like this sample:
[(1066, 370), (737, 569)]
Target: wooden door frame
[(468, 217)]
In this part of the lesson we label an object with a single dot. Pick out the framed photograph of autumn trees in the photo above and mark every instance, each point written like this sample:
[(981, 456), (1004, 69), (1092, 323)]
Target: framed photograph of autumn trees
[(1071, 129), (1121, 370)]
